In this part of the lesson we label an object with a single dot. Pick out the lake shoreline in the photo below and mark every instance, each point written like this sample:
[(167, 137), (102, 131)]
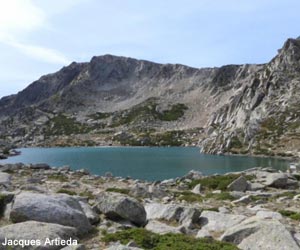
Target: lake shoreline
[(148, 163)]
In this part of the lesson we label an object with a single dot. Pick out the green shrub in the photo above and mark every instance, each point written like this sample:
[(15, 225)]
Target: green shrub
[(188, 196), (66, 191), (99, 116), (88, 194), (221, 196), (176, 111), (118, 190), (291, 214), (151, 241), (58, 177), (216, 182)]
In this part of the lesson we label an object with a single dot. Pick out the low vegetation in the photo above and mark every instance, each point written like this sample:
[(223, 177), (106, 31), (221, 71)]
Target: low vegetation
[(151, 241), (118, 190), (66, 191), (217, 182), (188, 196), (58, 177), (291, 214), (220, 196), (63, 125)]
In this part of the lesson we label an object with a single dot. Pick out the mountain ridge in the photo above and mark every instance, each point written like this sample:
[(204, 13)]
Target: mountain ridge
[(137, 96)]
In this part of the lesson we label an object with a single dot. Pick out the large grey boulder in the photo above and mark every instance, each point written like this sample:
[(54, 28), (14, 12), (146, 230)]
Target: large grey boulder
[(58, 208), (184, 215), (118, 206), (240, 184), (276, 180), (32, 230), (219, 222), (148, 191), (260, 234), (162, 228)]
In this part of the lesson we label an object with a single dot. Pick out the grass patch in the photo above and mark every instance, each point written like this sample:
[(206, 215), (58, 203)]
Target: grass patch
[(66, 191), (291, 214), (188, 196), (63, 125), (289, 194), (151, 241), (221, 196), (173, 114), (88, 194), (118, 190), (216, 182), (99, 116), (58, 177)]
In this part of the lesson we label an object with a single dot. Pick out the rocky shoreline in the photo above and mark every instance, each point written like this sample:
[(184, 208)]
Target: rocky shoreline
[(257, 209)]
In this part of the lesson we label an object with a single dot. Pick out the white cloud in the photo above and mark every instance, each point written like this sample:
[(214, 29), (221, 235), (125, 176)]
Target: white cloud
[(19, 18)]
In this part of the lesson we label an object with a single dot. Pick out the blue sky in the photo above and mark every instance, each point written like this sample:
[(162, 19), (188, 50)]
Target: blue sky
[(40, 36)]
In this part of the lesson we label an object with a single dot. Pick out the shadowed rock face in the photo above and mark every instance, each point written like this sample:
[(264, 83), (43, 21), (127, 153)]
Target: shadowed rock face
[(235, 103)]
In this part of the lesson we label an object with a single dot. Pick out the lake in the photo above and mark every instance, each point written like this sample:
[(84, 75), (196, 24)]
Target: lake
[(148, 163)]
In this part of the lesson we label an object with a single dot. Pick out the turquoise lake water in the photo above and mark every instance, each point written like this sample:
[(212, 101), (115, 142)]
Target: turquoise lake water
[(148, 163)]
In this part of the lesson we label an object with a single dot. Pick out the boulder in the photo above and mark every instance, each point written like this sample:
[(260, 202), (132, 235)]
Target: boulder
[(145, 191), (56, 208), (203, 233), (240, 184), (219, 222), (276, 180), (162, 228), (197, 189), (255, 186), (37, 231), (5, 179), (119, 206), (193, 175), (260, 234), (92, 216), (264, 214), (186, 216)]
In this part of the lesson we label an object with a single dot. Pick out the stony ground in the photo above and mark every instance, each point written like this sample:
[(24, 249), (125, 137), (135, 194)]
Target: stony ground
[(256, 209)]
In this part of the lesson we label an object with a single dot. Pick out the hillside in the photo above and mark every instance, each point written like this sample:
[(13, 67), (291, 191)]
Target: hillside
[(115, 100)]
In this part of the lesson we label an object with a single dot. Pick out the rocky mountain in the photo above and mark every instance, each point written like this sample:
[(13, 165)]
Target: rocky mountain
[(263, 116), (118, 100)]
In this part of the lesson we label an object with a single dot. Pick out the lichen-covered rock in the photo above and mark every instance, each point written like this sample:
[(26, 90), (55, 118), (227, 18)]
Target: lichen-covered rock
[(118, 206)]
